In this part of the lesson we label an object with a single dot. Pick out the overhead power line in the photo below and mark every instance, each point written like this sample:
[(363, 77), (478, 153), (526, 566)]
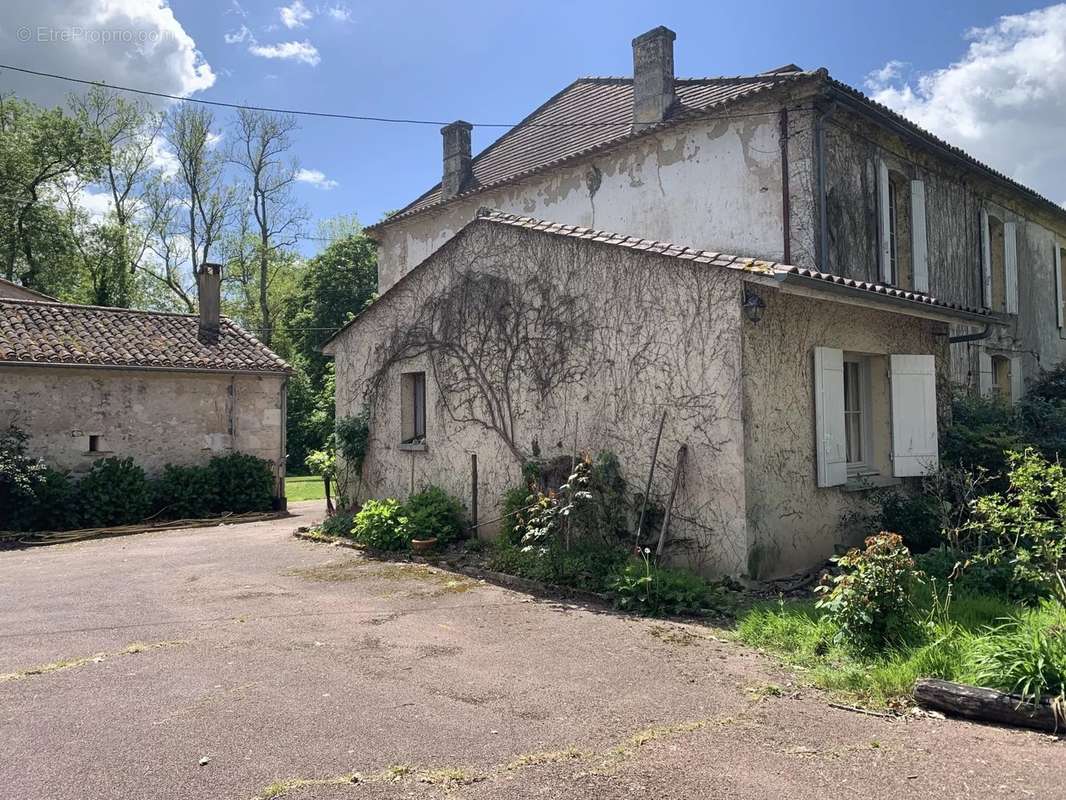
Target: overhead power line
[(337, 115)]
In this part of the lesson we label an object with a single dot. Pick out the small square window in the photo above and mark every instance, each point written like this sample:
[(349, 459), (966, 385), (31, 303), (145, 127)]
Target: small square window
[(95, 443), (413, 407)]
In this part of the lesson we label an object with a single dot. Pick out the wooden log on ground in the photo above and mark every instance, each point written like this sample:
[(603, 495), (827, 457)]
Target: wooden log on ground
[(987, 705)]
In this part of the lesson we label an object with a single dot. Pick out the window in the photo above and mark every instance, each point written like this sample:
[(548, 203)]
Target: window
[(413, 408), (901, 205), (893, 234), (856, 412), (94, 443), (997, 265), (875, 417), (1001, 378)]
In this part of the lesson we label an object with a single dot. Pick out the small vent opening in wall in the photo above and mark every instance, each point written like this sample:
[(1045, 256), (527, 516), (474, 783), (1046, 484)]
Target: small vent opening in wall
[(95, 445)]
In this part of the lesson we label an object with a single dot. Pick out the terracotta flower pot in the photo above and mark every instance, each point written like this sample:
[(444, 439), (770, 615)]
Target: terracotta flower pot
[(423, 545)]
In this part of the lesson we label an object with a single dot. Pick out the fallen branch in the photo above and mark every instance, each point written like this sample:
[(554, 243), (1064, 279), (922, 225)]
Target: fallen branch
[(865, 711), (988, 705)]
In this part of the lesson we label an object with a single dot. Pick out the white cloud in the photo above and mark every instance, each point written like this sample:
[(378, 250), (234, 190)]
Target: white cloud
[(340, 13), (1003, 101), (127, 42), (97, 204), (304, 51), (316, 178), (242, 34), (295, 14)]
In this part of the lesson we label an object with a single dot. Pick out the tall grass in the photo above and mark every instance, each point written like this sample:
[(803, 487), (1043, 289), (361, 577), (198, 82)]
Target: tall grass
[(970, 639)]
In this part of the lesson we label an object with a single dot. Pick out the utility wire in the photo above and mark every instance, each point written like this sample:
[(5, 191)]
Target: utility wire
[(337, 115)]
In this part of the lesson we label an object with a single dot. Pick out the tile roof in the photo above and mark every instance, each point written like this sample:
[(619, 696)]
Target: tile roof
[(589, 114), (34, 332), (553, 134), (752, 265)]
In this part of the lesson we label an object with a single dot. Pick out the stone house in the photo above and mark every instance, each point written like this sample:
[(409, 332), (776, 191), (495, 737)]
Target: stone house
[(87, 382), (877, 266)]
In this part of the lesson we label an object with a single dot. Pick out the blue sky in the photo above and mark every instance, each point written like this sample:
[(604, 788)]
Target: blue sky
[(495, 62)]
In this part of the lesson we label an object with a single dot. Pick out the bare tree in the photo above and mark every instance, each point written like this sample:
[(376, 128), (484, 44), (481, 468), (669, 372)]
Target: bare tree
[(168, 247), (208, 200), (129, 130), (261, 150)]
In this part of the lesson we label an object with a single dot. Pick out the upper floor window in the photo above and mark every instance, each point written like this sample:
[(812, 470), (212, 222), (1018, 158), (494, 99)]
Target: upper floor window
[(903, 257), (999, 264)]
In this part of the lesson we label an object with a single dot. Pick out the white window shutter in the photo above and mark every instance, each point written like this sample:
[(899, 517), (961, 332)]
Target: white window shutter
[(1010, 265), (832, 455), (985, 378), (914, 437), (919, 241), (1058, 284), (986, 261), (1017, 387), (885, 222)]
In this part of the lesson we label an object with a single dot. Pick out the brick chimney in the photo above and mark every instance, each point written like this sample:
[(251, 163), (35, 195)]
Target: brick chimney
[(209, 291), (653, 76), (458, 174)]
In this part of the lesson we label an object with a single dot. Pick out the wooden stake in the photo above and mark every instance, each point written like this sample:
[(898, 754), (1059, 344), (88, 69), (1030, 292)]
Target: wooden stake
[(679, 466), (651, 474), (473, 493)]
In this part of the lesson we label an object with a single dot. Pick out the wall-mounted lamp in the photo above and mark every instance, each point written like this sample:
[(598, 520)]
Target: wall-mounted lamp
[(753, 306)]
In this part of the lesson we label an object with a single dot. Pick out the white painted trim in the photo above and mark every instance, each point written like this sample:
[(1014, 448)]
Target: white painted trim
[(885, 220), (1010, 266), (919, 238)]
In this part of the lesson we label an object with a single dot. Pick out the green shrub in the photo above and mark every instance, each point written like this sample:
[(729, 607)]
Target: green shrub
[(20, 475), (919, 519), (1025, 655), (57, 506), (869, 599), (513, 524), (242, 482), (1023, 529), (587, 565), (434, 512), (659, 591), (352, 437), (115, 491), (340, 524), (382, 525), (187, 492), (982, 431)]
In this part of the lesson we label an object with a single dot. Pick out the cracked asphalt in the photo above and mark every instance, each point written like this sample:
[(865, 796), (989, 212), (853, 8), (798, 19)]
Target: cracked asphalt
[(288, 667)]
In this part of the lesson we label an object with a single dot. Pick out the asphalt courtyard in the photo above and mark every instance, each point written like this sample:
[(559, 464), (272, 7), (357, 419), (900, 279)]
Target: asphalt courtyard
[(239, 662)]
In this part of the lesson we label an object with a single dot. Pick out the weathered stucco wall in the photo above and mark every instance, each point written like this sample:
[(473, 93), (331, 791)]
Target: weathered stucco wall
[(791, 522), (954, 199), (711, 184), (526, 338), (157, 418)]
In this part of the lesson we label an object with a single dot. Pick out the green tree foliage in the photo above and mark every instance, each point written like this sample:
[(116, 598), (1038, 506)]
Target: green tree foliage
[(40, 151), (332, 287)]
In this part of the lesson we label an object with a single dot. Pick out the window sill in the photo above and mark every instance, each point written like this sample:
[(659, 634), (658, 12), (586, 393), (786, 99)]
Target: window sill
[(98, 453), (413, 447), (863, 483)]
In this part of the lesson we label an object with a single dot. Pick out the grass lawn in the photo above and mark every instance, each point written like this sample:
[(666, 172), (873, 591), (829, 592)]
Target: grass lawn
[(304, 487), (976, 639)]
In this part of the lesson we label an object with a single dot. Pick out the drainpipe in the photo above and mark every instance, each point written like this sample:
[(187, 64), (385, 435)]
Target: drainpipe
[(972, 337), (823, 221), (786, 202)]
